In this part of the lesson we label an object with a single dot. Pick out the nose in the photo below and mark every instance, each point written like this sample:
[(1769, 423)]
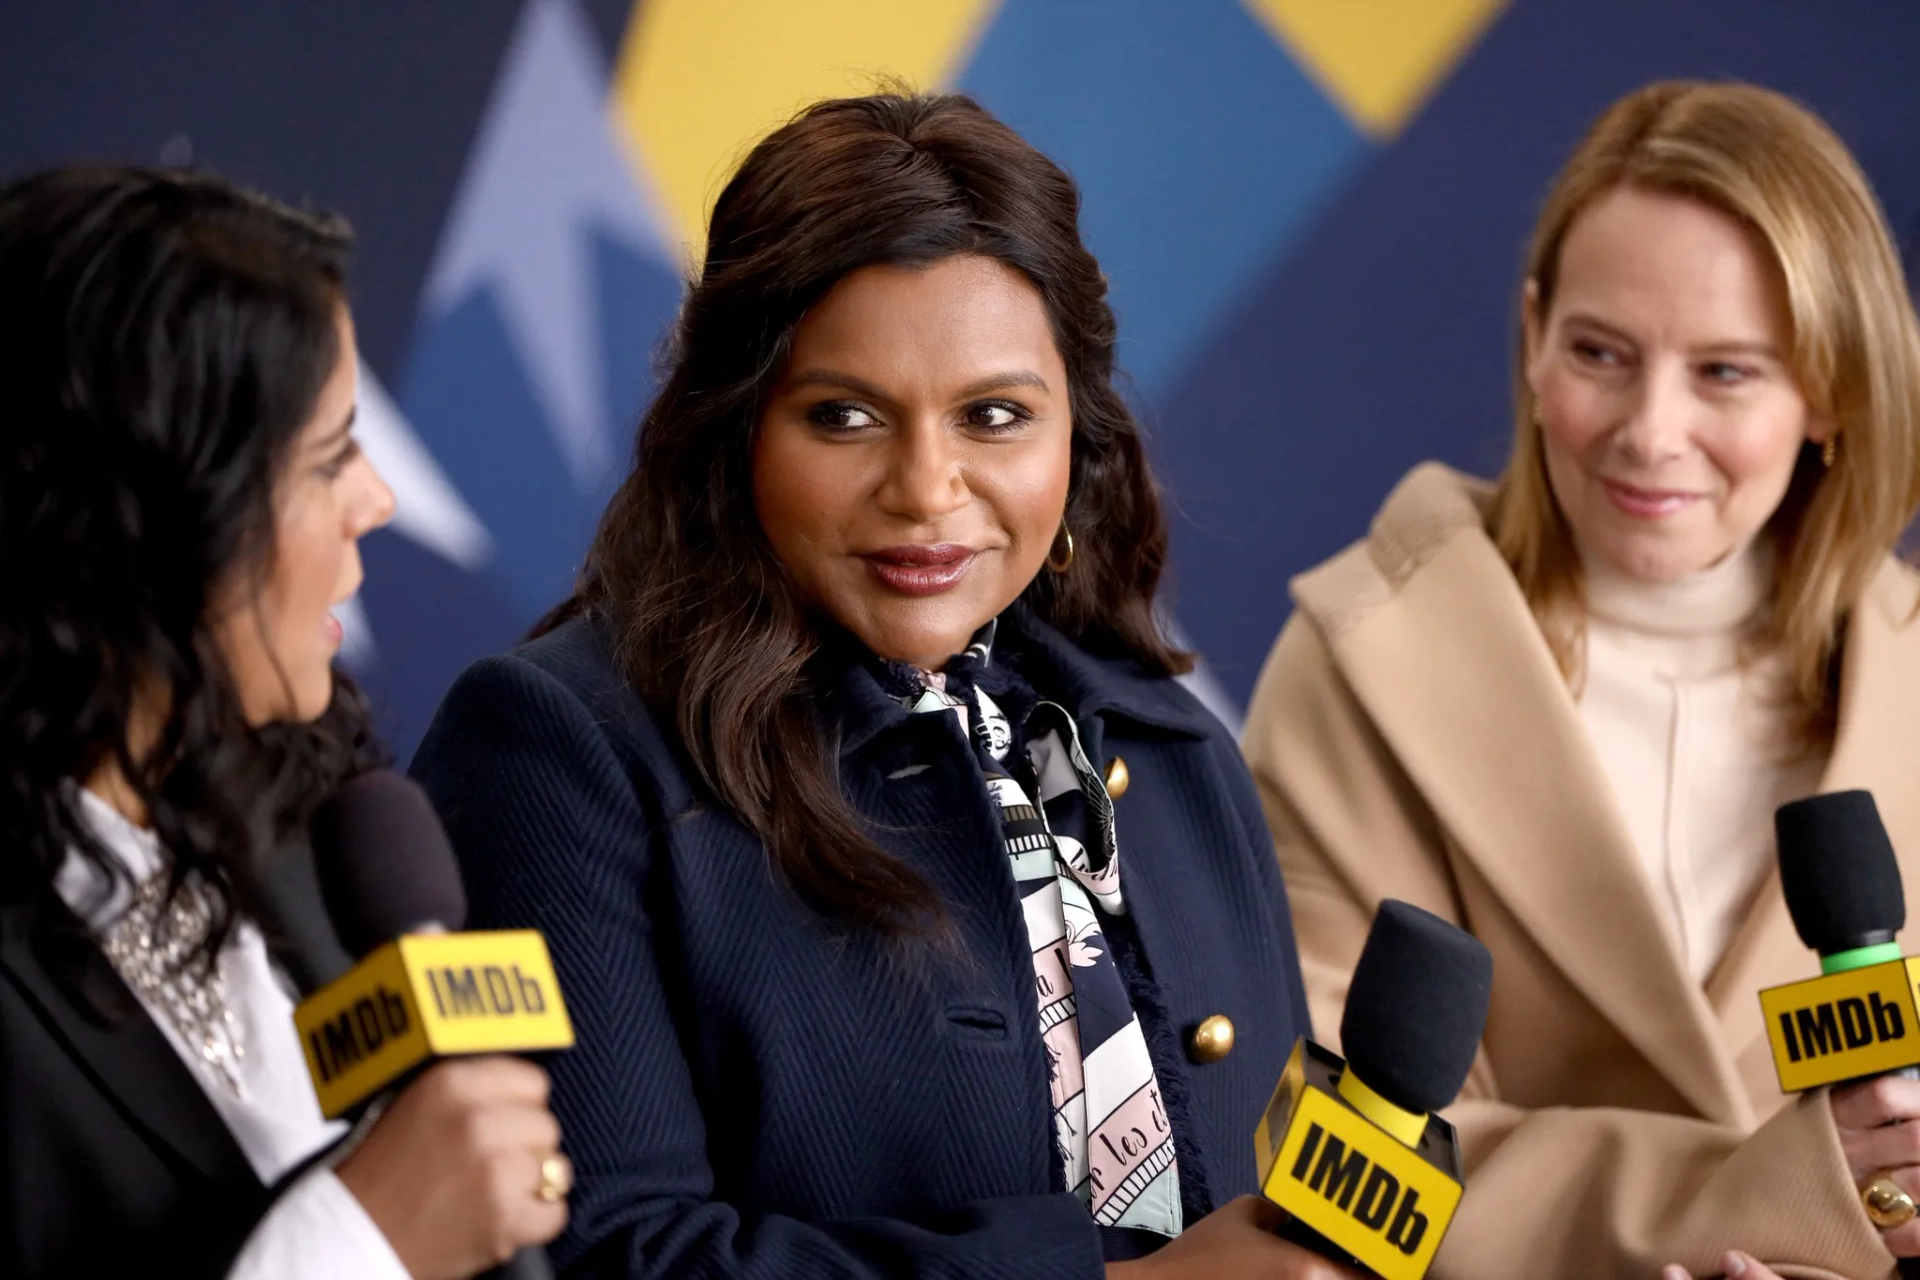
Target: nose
[(1659, 419), (373, 505), (924, 479)]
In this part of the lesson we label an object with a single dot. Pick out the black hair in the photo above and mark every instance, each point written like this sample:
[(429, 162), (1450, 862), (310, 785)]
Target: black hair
[(164, 336), (711, 631)]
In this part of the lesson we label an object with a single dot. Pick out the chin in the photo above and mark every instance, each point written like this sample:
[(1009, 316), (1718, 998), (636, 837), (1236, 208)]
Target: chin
[(1657, 564), (920, 645)]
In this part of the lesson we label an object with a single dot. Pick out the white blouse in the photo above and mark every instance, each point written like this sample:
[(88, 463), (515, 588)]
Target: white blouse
[(316, 1230), (1693, 741)]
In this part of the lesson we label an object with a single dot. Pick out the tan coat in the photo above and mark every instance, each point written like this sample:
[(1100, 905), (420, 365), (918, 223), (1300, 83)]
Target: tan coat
[(1412, 738)]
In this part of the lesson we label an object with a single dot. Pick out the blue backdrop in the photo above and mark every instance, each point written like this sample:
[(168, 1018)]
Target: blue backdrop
[(1312, 213)]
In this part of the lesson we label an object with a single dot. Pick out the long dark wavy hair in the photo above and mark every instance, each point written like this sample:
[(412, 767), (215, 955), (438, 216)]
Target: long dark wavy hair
[(710, 630), (163, 338)]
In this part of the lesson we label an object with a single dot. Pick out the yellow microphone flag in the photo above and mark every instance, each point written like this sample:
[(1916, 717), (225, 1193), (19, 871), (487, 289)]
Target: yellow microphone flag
[(1384, 1202), (427, 996), (1843, 1026)]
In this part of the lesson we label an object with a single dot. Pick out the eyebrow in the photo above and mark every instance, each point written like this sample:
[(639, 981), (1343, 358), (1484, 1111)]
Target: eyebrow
[(340, 432), (860, 386), (1736, 346)]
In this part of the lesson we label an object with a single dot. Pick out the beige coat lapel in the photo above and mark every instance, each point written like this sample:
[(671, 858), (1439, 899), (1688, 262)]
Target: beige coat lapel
[(1430, 629), (1876, 746)]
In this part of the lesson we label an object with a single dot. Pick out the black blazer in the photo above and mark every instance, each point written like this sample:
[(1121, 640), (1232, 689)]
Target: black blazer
[(112, 1159), (756, 1095)]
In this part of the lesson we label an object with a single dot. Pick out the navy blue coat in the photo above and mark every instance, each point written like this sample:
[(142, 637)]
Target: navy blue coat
[(757, 1093)]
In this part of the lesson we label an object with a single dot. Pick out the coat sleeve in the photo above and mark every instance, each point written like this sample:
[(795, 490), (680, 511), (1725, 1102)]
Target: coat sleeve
[(1556, 1191), (554, 833)]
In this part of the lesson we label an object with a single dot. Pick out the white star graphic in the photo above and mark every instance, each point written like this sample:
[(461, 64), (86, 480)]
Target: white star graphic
[(545, 170)]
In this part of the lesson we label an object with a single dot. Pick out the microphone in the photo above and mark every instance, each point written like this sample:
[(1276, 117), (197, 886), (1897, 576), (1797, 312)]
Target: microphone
[(417, 991), (1841, 881), (420, 990), (1368, 1175), (383, 863)]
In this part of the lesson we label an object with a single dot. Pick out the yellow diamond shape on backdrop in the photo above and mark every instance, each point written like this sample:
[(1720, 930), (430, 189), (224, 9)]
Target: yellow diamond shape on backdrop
[(698, 82), (1378, 59)]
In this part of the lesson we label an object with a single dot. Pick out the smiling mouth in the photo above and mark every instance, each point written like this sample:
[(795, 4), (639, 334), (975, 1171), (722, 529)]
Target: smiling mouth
[(1647, 504), (915, 570)]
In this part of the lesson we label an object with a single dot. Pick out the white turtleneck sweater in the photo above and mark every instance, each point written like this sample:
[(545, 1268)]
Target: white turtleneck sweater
[(1693, 742)]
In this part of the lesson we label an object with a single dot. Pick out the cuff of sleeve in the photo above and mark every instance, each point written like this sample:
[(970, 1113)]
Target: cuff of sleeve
[(318, 1229), (1824, 1223), (1575, 1191)]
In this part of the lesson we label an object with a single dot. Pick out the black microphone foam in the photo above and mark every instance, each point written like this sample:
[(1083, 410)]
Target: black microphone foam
[(383, 861), (1417, 1007), (1838, 871)]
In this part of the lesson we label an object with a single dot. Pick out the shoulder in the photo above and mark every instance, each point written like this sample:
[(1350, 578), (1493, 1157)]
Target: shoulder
[(1881, 647), (1894, 593), (1432, 510), (553, 702), (1113, 687), (1425, 597)]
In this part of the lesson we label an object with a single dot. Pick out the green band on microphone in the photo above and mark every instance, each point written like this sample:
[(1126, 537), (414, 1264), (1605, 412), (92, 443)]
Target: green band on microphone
[(1860, 957)]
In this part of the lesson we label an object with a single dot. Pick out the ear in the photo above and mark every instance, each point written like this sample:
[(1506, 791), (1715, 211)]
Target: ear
[(1820, 429), (1532, 329)]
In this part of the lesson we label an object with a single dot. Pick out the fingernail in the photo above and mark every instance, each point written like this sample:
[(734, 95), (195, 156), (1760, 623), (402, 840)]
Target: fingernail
[(1674, 1271), (1734, 1264)]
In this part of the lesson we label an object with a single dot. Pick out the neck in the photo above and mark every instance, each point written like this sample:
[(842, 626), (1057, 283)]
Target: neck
[(1719, 599), (110, 783)]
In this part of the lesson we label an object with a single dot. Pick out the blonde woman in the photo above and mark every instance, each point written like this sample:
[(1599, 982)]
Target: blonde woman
[(1561, 709)]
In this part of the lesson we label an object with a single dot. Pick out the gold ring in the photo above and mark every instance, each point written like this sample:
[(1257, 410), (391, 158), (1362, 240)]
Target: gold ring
[(556, 1179), (1888, 1204)]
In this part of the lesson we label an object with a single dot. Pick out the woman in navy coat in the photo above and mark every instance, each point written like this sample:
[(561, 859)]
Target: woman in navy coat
[(914, 920)]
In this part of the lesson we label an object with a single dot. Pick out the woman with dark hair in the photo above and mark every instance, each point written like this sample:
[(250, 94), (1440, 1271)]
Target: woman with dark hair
[(180, 504), (858, 737)]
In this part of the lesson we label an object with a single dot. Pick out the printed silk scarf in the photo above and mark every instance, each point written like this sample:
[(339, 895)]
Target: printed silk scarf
[(1111, 1127)]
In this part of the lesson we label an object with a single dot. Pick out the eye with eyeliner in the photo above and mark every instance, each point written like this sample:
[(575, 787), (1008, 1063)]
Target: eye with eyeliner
[(1016, 416), (842, 417), (332, 467)]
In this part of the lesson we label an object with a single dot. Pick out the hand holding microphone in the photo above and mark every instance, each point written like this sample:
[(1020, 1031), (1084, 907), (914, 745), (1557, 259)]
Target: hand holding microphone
[(1360, 1176), (1352, 1150), (1236, 1240), (450, 1173), (1855, 1027), (463, 1167)]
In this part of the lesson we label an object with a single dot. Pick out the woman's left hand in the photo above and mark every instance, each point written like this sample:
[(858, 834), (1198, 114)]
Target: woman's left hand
[(1735, 1266)]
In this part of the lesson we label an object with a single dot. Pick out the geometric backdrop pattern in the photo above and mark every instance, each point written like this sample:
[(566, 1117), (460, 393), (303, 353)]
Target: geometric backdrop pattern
[(1310, 213)]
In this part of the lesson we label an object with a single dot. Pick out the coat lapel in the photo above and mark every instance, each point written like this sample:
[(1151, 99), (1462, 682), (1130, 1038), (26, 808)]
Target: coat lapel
[(1455, 675), (128, 1058)]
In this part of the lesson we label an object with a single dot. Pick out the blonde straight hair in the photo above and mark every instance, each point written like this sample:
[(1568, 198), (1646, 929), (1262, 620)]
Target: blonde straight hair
[(1773, 166)]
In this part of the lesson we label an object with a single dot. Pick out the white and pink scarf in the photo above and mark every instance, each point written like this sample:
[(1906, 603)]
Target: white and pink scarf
[(1115, 1142)]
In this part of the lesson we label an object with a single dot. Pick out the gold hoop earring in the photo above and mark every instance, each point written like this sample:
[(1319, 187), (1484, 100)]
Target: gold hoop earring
[(1829, 450), (1056, 560)]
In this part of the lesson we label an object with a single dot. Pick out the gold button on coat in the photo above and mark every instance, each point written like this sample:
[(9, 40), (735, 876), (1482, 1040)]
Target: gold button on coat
[(1117, 778), (1212, 1040)]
